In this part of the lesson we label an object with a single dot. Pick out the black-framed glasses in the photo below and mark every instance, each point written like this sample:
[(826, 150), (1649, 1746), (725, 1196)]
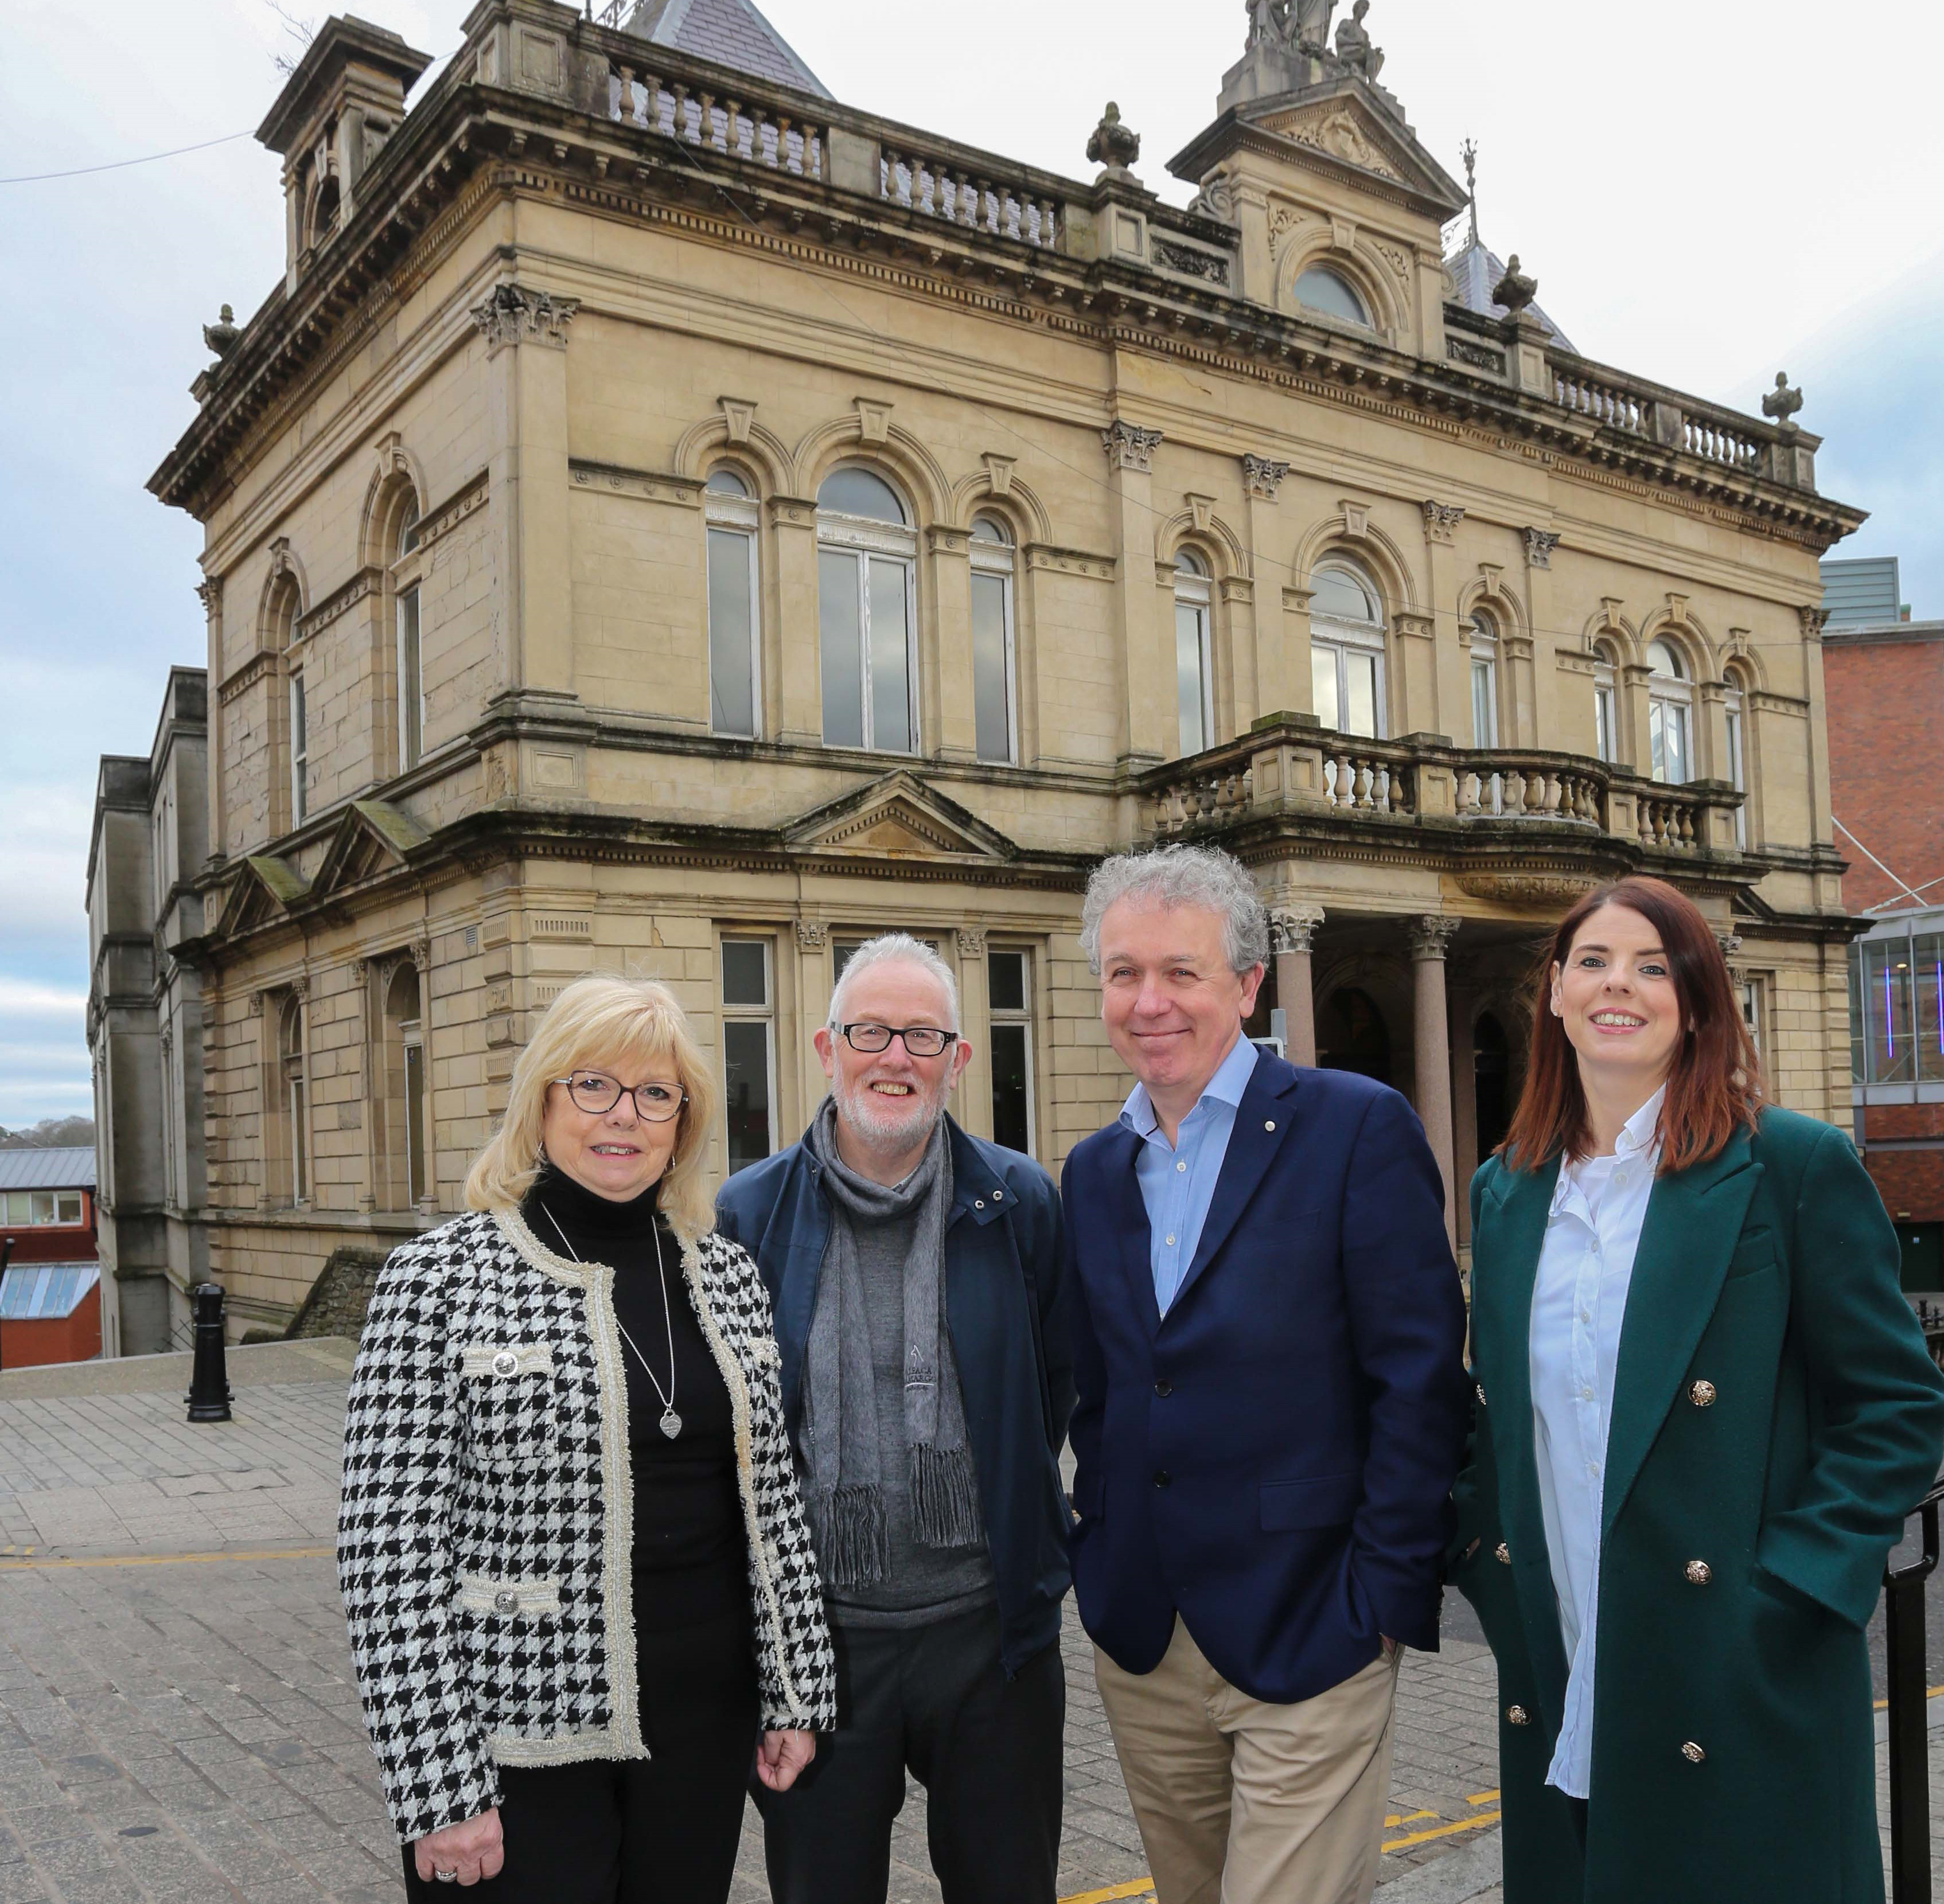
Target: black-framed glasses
[(596, 1093), (921, 1040)]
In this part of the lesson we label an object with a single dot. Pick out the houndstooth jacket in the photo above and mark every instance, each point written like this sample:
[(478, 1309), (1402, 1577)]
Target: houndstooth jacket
[(484, 1542)]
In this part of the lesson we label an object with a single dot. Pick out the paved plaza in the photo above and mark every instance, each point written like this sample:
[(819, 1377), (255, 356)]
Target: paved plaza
[(178, 1721)]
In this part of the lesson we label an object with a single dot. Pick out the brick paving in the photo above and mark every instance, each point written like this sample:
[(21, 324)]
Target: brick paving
[(178, 1721)]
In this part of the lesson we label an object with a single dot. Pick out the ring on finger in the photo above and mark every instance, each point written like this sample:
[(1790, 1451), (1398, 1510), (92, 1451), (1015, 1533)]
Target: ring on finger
[(445, 1877)]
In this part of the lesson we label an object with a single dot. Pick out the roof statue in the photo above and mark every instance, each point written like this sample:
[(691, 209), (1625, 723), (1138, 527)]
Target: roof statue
[(1309, 24), (1355, 48), (221, 337), (1514, 291), (1113, 144), (1781, 403)]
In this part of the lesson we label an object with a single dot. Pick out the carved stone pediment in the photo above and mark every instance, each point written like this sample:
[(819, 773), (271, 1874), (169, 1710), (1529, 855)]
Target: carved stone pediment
[(1344, 130), (372, 837), (900, 818), (264, 890)]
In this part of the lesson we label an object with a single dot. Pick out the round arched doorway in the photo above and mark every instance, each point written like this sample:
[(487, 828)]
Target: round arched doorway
[(1351, 1035)]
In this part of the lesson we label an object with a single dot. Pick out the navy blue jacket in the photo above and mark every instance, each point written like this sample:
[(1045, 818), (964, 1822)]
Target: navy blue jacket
[(1273, 1459), (1002, 1288)]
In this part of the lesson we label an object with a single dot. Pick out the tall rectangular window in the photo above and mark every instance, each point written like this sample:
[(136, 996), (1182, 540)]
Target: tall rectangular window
[(299, 753), (869, 667), (993, 662), (1194, 605), (1889, 1023), (1605, 723), (1927, 962), (418, 1175), (732, 632), (749, 1051), (1737, 771), (1009, 983), (1484, 701), (411, 682)]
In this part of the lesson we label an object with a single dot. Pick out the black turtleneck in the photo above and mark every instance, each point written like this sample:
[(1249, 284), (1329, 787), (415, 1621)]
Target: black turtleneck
[(690, 1557)]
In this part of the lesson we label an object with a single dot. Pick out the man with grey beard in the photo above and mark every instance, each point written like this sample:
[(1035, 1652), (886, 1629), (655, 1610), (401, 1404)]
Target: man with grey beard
[(913, 1271)]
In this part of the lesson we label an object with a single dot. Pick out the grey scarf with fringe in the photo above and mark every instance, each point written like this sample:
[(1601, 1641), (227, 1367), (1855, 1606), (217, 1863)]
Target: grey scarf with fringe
[(844, 1491)]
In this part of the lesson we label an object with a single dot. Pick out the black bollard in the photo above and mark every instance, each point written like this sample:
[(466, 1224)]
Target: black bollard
[(208, 1397)]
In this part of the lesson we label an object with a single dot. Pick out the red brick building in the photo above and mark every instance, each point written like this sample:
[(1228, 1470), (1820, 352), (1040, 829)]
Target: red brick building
[(50, 1285), (1884, 682)]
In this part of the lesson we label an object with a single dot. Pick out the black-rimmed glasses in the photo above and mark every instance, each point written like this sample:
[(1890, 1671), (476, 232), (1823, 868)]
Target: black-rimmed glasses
[(921, 1040), (596, 1093)]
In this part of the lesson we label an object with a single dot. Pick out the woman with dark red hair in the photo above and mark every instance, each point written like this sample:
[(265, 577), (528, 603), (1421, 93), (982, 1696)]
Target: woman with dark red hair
[(1702, 1409)]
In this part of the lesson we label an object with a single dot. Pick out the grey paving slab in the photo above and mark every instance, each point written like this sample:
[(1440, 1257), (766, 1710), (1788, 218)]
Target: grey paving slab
[(178, 1718)]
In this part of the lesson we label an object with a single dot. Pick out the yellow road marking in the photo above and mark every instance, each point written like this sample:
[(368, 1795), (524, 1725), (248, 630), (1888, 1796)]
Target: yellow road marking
[(1483, 1798), (172, 1560), (1139, 1887), (1883, 1705), (1442, 1831), (1407, 1818)]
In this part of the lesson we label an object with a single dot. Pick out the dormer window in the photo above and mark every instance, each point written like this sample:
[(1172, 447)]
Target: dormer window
[(1321, 289)]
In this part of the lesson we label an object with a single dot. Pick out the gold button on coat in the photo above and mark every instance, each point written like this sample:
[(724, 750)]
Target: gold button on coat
[(1693, 1753), (1517, 1715), (1702, 1395), (1699, 1573), (1502, 1555)]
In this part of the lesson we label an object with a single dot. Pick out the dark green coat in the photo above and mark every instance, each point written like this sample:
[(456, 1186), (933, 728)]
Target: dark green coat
[(1770, 1274)]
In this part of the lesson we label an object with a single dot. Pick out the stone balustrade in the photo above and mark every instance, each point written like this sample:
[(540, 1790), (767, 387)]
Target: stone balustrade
[(969, 196), (1607, 404), (718, 122), (1293, 769)]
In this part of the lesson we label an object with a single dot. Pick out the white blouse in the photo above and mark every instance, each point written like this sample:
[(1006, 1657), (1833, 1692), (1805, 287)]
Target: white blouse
[(1578, 1303)]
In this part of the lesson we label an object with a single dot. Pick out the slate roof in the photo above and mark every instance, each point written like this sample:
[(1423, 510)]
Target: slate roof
[(1474, 271), (60, 1168), (732, 32)]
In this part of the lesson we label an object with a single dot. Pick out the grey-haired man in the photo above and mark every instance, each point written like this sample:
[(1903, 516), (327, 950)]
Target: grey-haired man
[(914, 1272)]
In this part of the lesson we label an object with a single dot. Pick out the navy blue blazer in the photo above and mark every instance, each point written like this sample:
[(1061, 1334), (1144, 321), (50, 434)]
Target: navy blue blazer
[(1273, 1460), (1002, 1306)]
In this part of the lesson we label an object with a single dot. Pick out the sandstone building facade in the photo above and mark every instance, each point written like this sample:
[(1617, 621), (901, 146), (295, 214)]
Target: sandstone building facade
[(667, 521)]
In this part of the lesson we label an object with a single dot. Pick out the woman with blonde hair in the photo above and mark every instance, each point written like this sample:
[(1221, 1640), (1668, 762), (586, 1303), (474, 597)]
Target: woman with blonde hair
[(581, 1595)]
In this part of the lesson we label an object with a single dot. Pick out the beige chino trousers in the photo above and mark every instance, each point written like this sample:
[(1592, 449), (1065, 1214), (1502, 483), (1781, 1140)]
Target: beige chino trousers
[(1242, 1802)]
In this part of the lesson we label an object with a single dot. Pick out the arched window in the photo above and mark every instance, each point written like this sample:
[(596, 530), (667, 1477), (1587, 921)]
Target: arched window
[(1193, 673), (995, 715), (1670, 714), (1346, 654), (735, 618), (1485, 637), (295, 1106), (409, 1165), (867, 589), (1321, 289), (287, 736), (299, 749), (324, 212), (1606, 704), (411, 672)]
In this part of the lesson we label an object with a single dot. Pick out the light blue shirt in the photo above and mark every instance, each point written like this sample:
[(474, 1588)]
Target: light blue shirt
[(1579, 1307), (1178, 1180)]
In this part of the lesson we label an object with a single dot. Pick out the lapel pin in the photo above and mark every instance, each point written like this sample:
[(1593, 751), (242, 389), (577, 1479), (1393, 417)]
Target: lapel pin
[(1270, 1124)]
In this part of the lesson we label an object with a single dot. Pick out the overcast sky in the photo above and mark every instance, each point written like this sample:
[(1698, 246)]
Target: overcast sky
[(1707, 194)]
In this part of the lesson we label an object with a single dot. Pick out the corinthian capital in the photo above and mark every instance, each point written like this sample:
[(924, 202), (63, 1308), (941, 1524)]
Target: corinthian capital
[(514, 314), (1293, 929), (1431, 935), (1129, 446)]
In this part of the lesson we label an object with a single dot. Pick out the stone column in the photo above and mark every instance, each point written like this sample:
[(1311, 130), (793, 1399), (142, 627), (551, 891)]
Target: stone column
[(1149, 732), (525, 332), (1292, 938), (793, 688), (1446, 708), (1465, 1158), (1431, 936), (813, 987), (974, 1106), (947, 688)]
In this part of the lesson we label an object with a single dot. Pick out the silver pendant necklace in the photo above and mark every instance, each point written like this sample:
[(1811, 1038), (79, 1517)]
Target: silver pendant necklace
[(671, 1422)]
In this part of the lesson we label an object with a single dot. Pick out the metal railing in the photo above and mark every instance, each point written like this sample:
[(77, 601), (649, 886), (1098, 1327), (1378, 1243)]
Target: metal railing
[(1909, 1716)]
